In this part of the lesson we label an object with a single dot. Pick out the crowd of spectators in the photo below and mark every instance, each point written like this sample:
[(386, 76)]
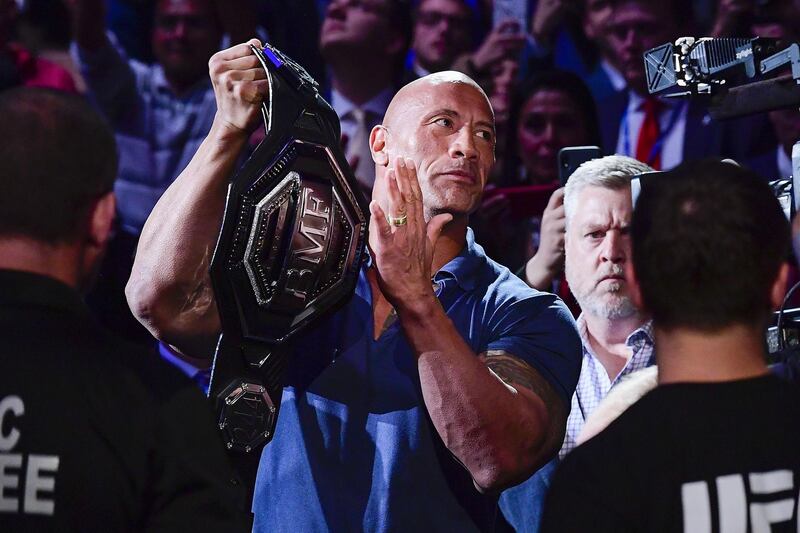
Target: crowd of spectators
[(569, 74)]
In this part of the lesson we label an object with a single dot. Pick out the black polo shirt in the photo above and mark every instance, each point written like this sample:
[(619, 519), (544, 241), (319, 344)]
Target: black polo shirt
[(95, 436)]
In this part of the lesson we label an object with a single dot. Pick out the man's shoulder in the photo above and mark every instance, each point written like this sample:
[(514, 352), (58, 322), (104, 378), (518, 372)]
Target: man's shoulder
[(623, 435), (506, 291)]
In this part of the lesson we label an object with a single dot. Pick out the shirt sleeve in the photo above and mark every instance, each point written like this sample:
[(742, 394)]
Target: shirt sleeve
[(540, 330), (111, 79)]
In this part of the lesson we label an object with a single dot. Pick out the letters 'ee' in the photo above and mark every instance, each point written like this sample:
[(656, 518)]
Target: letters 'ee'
[(291, 244)]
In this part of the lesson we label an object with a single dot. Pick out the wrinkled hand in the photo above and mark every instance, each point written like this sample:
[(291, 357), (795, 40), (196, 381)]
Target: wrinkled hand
[(548, 16), (504, 41), (240, 85), (729, 14), (403, 253), (548, 261)]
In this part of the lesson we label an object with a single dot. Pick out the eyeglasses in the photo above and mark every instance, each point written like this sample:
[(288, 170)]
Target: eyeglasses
[(434, 18)]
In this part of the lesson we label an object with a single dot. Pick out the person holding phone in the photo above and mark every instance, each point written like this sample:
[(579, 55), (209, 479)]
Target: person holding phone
[(549, 112), (591, 227)]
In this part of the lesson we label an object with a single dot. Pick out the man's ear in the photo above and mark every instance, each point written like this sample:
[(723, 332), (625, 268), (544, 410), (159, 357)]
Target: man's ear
[(377, 145), (101, 219), (778, 290), (634, 289)]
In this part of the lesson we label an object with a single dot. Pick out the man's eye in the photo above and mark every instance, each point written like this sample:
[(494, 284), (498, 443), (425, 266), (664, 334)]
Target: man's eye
[(595, 235), (444, 121), (486, 135)]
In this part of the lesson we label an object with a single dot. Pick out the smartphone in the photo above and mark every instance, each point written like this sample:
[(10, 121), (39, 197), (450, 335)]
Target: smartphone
[(516, 10), (571, 157)]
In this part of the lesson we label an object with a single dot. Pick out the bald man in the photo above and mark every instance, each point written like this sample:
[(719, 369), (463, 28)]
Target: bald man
[(451, 379)]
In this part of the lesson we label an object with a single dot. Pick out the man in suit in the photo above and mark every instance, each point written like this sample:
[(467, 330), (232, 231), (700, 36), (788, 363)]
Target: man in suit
[(659, 132)]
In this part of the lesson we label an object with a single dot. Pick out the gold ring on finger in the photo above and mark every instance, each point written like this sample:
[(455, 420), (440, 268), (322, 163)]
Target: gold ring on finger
[(398, 221)]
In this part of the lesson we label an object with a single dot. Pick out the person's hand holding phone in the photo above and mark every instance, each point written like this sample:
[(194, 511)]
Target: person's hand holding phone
[(504, 41), (548, 262)]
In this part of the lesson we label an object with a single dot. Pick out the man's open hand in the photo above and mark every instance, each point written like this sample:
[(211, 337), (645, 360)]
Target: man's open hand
[(401, 241)]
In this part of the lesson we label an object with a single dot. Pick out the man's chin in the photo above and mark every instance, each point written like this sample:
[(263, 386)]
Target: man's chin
[(610, 306)]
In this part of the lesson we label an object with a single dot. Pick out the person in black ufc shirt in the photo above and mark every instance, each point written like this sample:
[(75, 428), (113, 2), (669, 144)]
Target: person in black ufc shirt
[(93, 436), (716, 446)]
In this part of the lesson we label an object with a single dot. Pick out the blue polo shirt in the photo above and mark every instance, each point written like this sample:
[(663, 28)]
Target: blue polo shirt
[(355, 450)]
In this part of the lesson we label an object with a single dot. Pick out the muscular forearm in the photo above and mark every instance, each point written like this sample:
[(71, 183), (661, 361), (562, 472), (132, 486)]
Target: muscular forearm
[(499, 432), (170, 290)]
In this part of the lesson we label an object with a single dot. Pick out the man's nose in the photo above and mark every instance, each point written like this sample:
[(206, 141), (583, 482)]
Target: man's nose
[(613, 249), (631, 40), (336, 8), (464, 144), (549, 133), (180, 28)]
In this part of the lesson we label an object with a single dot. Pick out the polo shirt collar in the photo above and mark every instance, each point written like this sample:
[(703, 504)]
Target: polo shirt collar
[(465, 267)]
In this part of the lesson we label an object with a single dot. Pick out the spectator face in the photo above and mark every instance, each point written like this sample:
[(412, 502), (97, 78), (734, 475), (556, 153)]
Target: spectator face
[(448, 130), (634, 28), (597, 247), (441, 33), (355, 27), (186, 34), (595, 17), (504, 74), (548, 122)]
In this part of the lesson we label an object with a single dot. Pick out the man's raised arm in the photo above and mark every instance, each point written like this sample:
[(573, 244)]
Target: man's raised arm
[(170, 288)]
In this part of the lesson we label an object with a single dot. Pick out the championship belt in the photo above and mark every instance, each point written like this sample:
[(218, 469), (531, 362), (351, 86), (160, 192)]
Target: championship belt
[(289, 251)]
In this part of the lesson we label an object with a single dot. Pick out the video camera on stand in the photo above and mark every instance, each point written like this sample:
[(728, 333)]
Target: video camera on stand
[(726, 73)]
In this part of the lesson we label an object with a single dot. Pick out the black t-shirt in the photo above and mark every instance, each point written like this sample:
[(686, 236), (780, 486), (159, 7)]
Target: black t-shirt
[(688, 457), (94, 436)]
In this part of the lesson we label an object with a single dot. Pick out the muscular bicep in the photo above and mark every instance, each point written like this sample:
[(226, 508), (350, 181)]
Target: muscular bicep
[(521, 378)]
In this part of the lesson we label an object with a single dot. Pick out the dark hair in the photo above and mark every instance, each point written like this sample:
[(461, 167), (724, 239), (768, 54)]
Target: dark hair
[(563, 82), (57, 157), (53, 19), (708, 240), (401, 20), (477, 22)]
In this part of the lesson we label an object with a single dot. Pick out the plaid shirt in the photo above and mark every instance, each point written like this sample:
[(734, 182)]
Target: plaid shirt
[(594, 383)]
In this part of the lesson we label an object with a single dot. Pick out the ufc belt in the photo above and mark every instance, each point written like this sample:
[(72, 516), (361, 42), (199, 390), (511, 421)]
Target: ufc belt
[(289, 252)]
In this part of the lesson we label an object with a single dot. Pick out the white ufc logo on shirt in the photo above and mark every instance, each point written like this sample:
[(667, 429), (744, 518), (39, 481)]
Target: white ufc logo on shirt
[(772, 499)]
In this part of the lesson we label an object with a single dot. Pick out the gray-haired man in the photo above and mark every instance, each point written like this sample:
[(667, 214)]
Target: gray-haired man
[(616, 338)]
